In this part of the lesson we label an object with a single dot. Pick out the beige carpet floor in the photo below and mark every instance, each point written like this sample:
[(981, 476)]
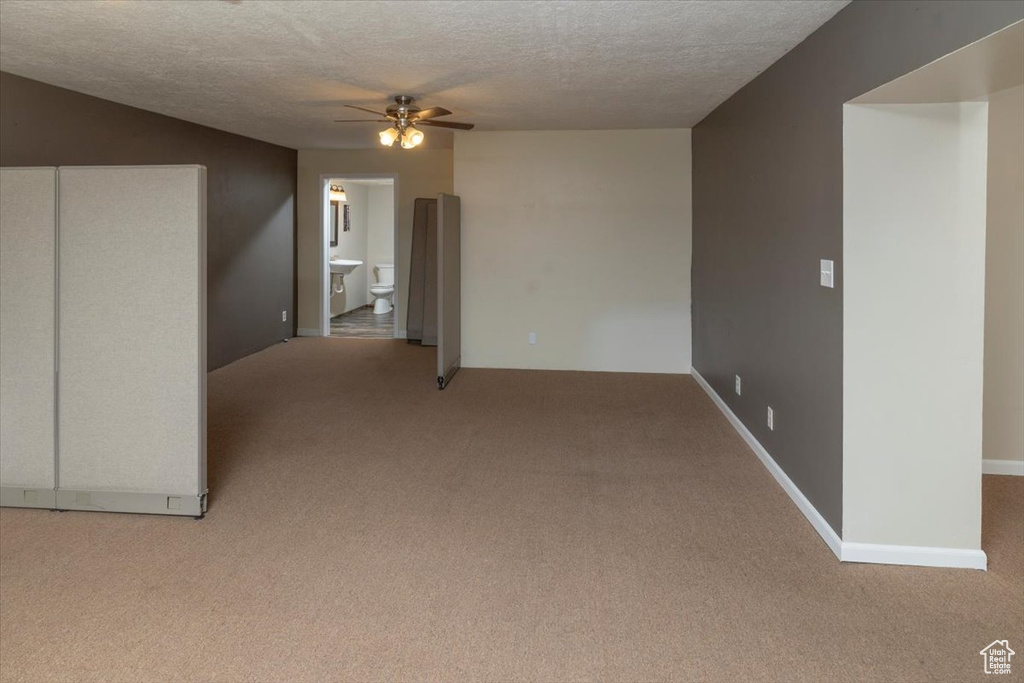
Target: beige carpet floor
[(519, 526)]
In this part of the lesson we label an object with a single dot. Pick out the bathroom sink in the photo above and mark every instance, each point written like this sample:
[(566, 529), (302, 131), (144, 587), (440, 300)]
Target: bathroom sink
[(344, 266)]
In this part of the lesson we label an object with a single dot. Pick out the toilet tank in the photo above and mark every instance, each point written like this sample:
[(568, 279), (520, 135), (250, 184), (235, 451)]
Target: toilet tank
[(385, 273)]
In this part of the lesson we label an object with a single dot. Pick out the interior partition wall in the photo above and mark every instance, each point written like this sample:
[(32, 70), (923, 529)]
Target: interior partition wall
[(126, 377), (449, 288), (28, 247), (913, 332), (421, 323)]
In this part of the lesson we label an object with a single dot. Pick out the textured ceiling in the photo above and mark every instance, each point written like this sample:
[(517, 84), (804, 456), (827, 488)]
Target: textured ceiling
[(280, 71)]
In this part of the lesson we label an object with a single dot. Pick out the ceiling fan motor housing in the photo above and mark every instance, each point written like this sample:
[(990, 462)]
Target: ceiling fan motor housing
[(404, 116), (403, 107)]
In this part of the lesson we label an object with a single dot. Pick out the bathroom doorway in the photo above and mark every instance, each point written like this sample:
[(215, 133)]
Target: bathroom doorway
[(358, 299)]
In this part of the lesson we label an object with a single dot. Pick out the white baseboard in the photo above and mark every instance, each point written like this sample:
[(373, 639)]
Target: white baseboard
[(823, 528), (846, 551), (875, 553), (1013, 468)]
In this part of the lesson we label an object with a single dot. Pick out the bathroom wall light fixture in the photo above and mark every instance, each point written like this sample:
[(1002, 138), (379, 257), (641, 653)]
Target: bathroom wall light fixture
[(338, 193)]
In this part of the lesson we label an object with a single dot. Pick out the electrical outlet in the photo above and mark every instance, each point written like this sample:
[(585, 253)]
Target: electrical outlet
[(739, 386), (771, 419), (533, 338), (284, 316)]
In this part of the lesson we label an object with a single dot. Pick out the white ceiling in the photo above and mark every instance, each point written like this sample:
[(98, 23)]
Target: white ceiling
[(280, 71)]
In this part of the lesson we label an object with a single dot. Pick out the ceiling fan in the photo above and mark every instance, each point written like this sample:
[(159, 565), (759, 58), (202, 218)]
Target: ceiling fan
[(404, 116)]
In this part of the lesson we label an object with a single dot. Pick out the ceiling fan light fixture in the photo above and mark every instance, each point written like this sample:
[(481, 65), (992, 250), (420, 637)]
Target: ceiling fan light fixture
[(403, 117), (388, 137), (338, 193), (411, 138)]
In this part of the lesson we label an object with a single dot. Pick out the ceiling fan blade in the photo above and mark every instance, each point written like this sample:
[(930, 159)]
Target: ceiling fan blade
[(431, 113), (378, 113), (362, 120), (445, 124)]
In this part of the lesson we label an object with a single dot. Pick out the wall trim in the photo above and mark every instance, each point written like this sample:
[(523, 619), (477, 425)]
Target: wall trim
[(104, 501), (823, 528), (1013, 468), (21, 497), (132, 501), (917, 556), (872, 553)]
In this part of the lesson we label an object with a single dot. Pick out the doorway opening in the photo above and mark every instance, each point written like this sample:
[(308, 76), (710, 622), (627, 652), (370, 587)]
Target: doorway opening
[(933, 384), (359, 266)]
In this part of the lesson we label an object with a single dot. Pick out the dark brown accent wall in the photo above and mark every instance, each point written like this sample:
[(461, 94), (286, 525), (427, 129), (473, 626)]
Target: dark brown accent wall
[(250, 205), (768, 204)]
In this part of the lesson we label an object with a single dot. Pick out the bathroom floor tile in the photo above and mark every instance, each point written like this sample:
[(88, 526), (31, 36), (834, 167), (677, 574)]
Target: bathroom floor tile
[(363, 323)]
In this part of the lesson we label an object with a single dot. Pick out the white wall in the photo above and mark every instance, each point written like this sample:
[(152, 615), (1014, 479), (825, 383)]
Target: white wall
[(582, 237), (419, 172), (380, 246), (1004, 280), (914, 286), (352, 245)]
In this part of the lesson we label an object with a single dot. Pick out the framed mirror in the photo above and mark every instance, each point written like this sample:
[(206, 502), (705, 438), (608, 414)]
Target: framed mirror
[(333, 211)]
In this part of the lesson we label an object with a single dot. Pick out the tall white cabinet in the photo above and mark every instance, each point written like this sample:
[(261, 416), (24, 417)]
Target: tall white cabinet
[(104, 381)]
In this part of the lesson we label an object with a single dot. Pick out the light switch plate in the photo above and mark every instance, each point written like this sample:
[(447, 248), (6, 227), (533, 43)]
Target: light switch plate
[(739, 386), (827, 273)]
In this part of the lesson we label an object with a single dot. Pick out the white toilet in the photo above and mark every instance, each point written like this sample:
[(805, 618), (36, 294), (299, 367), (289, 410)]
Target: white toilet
[(383, 288)]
